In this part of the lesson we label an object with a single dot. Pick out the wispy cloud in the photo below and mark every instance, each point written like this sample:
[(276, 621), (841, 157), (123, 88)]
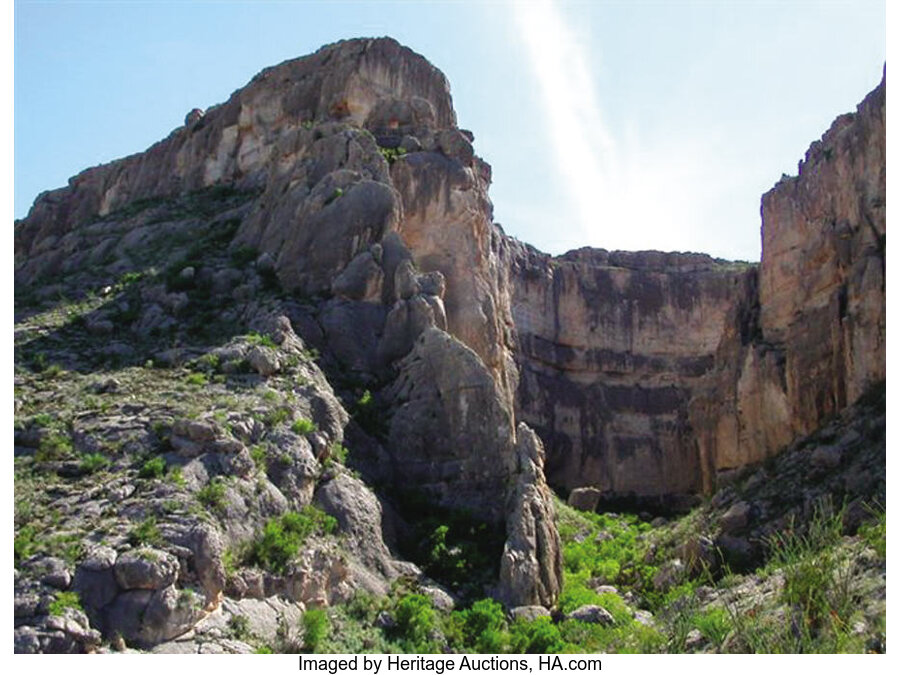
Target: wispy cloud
[(625, 191)]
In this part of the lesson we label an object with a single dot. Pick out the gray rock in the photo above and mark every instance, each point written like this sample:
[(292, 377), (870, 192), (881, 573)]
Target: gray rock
[(264, 360), (53, 572), (584, 498), (528, 612), (592, 614), (826, 457), (531, 564), (670, 574), (736, 518), (146, 568)]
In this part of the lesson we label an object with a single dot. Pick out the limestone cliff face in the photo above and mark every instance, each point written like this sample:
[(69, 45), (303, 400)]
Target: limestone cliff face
[(368, 201), (645, 374), (648, 374), (612, 347), (810, 339)]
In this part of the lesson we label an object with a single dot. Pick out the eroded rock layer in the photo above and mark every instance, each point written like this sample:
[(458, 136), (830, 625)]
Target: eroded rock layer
[(612, 347)]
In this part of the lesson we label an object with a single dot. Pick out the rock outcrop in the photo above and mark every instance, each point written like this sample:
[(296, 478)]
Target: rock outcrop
[(648, 374), (320, 247), (612, 347), (807, 338)]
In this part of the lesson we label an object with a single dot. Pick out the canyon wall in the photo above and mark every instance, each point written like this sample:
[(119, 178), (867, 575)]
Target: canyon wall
[(645, 374), (648, 374), (810, 338), (612, 348)]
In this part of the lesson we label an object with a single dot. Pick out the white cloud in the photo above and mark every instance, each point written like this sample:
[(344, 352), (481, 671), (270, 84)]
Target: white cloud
[(633, 188)]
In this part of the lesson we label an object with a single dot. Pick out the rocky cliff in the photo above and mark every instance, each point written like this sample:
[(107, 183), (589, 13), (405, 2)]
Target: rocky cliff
[(309, 323), (649, 373), (612, 349)]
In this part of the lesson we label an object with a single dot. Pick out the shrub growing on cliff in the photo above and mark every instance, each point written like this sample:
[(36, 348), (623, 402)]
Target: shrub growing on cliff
[(282, 537), (316, 627), (415, 619)]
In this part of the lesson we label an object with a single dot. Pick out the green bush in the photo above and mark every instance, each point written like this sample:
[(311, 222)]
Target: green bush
[(714, 624), (93, 462), (212, 495), (196, 379), (153, 468), (483, 627), (539, 636), (53, 447), (316, 627), (282, 537), (255, 338), (303, 426), (415, 619), (145, 533), (874, 533), (25, 543), (64, 600)]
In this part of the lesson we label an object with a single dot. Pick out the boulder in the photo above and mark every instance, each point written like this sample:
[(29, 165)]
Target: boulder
[(584, 498), (592, 614), (146, 568)]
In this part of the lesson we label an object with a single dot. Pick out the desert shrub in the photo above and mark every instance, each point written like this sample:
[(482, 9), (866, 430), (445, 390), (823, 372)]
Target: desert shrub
[(414, 620), (145, 533), (874, 532), (255, 338), (316, 627), (212, 495), (196, 379), (539, 636), (155, 467), (282, 537), (93, 462), (25, 543), (303, 426), (53, 447), (714, 624), (483, 627), (64, 600)]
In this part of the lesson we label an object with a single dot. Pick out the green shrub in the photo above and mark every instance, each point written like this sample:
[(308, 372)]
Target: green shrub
[(303, 426), (316, 627), (64, 600), (93, 462), (25, 543), (874, 533), (259, 454), (415, 619), (145, 533), (483, 627), (714, 624), (337, 453), (196, 379), (53, 447), (392, 154), (255, 338), (277, 416), (539, 636), (212, 495), (239, 625), (282, 537), (155, 467)]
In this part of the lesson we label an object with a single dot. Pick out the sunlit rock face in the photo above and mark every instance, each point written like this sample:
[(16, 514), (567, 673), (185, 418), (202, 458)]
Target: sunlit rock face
[(612, 347), (362, 197), (811, 340), (647, 374)]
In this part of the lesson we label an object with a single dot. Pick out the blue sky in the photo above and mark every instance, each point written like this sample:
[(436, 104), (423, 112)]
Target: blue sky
[(632, 125)]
